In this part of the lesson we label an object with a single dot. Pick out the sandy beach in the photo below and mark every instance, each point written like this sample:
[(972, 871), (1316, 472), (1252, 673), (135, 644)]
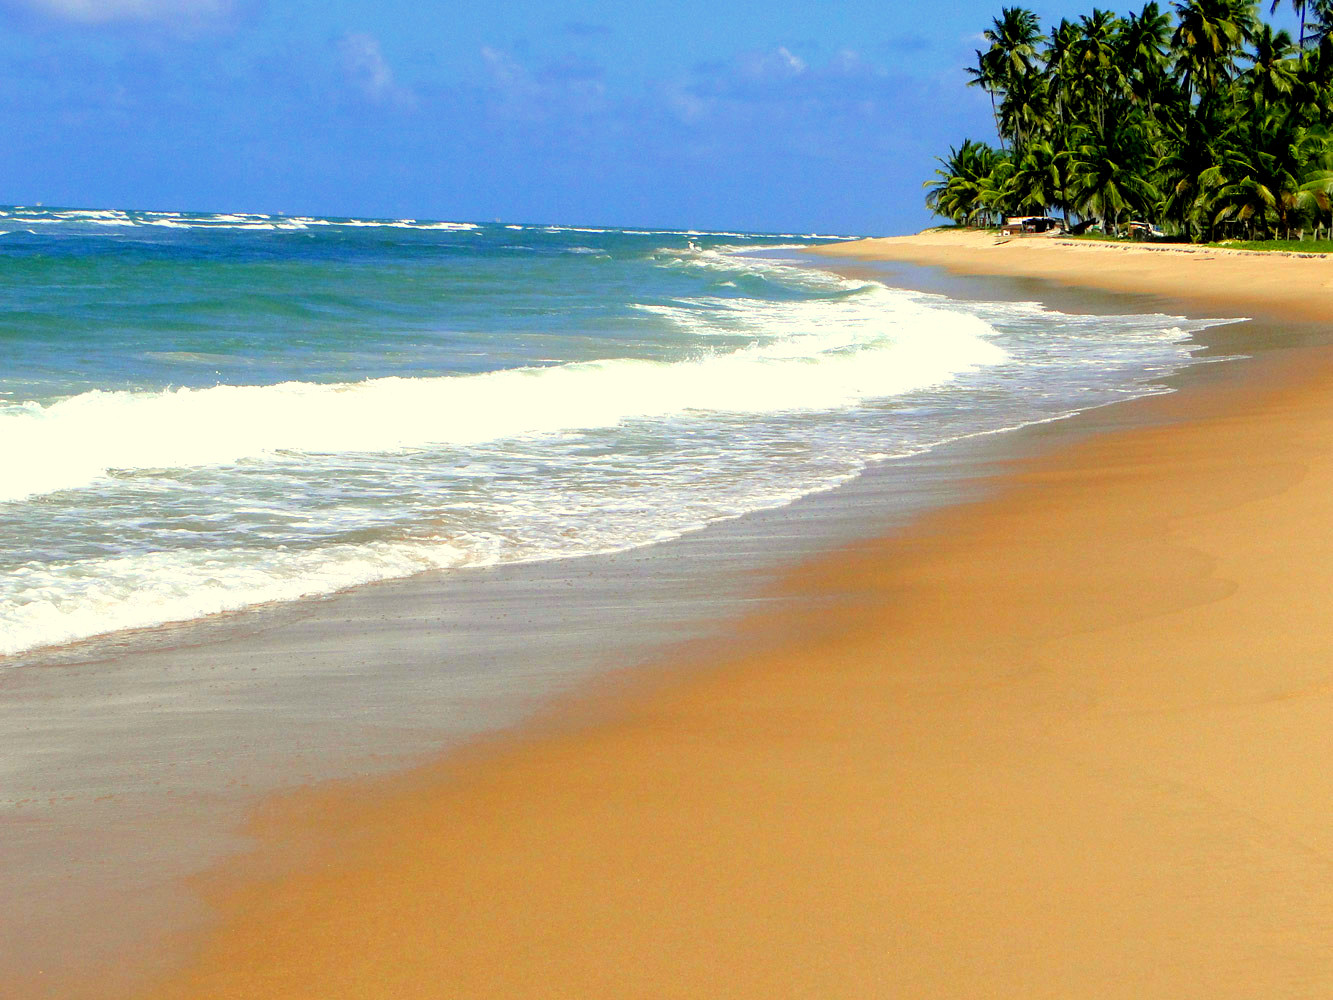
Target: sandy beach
[(1071, 740), (1213, 278)]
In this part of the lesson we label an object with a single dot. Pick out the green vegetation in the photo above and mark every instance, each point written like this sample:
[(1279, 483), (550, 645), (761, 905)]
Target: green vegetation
[(1101, 238), (1287, 246), (1204, 121)]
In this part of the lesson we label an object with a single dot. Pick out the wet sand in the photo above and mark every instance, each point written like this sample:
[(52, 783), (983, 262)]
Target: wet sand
[(128, 764), (1072, 739)]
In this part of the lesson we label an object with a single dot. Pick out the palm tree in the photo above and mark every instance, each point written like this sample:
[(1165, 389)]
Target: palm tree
[(1009, 61), (1109, 174), (1059, 64), (961, 184), (1273, 73), (1279, 176), (1037, 181), (1208, 37), (1013, 37), (1203, 117), (1026, 109), (1312, 92), (1321, 21), (1096, 64), (1063, 103), (1314, 192), (1298, 7), (995, 199), (1200, 154), (1144, 41), (1315, 195), (986, 75)]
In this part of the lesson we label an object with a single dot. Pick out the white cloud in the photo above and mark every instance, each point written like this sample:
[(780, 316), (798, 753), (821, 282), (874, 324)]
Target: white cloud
[(565, 87), (778, 64), (794, 64), (109, 11), (848, 62), (505, 71), (686, 105), (364, 62), (781, 88)]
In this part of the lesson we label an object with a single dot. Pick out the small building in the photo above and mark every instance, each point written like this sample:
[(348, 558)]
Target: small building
[(1144, 231), (1031, 224)]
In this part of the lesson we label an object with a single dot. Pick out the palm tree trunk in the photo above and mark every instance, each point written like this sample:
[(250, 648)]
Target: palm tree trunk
[(995, 112)]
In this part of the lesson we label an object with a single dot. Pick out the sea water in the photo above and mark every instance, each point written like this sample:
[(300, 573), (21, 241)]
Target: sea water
[(205, 412)]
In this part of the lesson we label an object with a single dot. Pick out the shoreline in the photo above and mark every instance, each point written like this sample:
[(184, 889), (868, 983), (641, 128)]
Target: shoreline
[(570, 719), (163, 741), (1274, 285), (968, 766), (602, 618)]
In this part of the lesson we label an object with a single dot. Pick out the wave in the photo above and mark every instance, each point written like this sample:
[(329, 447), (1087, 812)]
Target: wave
[(402, 224), (747, 262), (221, 220), (179, 504), (109, 595), (822, 354), (259, 221)]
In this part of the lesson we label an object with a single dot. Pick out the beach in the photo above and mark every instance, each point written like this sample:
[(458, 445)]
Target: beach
[(1217, 278), (1071, 742), (1063, 732)]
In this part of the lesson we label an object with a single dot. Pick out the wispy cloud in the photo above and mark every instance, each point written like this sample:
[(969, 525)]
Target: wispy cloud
[(364, 63), (93, 12), (566, 87), (783, 82), (774, 64), (505, 72)]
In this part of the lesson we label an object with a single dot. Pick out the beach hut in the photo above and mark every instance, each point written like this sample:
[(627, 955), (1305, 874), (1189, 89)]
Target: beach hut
[(1030, 225)]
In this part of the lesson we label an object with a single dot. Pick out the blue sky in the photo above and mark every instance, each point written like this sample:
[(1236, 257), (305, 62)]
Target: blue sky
[(822, 115)]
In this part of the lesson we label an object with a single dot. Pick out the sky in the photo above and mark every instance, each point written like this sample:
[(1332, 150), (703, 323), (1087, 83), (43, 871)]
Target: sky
[(778, 116)]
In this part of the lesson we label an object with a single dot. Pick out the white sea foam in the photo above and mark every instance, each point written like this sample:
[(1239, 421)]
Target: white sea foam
[(404, 224), (234, 496), (90, 213), (736, 261), (812, 355), (234, 220), (257, 221), (75, 600)]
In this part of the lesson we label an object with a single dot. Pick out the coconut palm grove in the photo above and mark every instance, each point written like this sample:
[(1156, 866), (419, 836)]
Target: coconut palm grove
[(1203, 120)]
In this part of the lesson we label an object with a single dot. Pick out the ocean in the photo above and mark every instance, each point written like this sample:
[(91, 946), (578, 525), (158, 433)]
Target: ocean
[(201, 413)]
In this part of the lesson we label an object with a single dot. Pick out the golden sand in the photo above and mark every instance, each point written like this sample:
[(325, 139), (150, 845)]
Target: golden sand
[(1073, 741), (1219, 279)]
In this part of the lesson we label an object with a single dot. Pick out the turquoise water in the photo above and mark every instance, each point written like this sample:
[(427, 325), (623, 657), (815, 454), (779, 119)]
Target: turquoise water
[(200, 413)]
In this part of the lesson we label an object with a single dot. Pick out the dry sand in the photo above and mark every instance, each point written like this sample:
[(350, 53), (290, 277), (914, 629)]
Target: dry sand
[(1073, 741), (1218, 279)]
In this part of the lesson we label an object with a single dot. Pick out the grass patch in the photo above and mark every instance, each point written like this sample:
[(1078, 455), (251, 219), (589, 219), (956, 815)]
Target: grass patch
[(1286, 246), (1279, 246)]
